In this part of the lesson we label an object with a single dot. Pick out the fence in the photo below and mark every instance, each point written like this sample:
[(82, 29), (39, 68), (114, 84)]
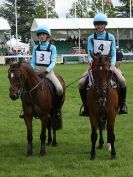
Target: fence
[(65, 58)]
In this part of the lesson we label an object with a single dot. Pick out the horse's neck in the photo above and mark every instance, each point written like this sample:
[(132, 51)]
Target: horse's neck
[(31, 79), (101, 79)]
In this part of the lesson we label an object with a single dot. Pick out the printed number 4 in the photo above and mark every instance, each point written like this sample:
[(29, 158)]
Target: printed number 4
[(101, 47)]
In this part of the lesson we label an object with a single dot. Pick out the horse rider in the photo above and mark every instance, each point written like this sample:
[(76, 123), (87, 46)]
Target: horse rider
[(104, 43), (44, 60)]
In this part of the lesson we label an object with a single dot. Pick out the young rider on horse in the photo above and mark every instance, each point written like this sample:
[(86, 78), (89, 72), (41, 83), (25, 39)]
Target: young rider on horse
[(104, 43), (44, 60)]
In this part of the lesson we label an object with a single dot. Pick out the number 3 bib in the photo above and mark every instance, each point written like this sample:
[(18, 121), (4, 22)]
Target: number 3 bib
[(43, 57), (102, 46)]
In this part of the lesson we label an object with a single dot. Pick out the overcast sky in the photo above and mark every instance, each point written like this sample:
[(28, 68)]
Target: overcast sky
[(63, 6)]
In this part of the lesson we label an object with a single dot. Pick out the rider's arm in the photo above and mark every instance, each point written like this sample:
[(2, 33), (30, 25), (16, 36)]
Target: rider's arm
[(53, 58), (33, 57), (90, 48), (113, 50)]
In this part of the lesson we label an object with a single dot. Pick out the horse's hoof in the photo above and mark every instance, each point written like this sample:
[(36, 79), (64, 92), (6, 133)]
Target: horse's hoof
[(109, 147), (100, 146), (29, 154), (92, 157), (54, 144), (42, 153), (113, 157), (49, 143)]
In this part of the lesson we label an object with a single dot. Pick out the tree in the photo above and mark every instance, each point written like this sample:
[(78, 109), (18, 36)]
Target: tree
[(87, 8), (124, 9), (27, 10), (45, 8), (25, 14), (82, 9)]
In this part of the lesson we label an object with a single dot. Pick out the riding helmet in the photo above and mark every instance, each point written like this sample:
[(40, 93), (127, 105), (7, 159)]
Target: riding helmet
[(43, 29), (100, 18)]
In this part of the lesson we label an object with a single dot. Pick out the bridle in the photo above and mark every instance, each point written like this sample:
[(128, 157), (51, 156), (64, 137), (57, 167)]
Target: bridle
[(101, 90), (22, 91)]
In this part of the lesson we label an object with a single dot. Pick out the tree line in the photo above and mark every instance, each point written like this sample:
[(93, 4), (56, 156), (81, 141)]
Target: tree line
[(27, 10)]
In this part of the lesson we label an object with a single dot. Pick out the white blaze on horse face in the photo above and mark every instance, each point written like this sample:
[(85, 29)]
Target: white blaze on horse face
[(101, 67), (12, 75)]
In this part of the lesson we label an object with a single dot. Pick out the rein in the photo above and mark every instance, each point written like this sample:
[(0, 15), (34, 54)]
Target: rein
[(28, 91), (21, 92), (75, 81)]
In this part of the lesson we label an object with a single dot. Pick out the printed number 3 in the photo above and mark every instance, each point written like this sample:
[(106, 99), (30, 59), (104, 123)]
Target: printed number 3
[(101, 47), (42, 57)]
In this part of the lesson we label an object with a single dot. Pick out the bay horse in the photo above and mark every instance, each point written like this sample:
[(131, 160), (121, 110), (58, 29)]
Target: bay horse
[(102, 103), (37, 101)]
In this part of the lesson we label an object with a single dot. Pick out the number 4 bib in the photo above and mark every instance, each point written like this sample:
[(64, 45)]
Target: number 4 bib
[(102, 46)]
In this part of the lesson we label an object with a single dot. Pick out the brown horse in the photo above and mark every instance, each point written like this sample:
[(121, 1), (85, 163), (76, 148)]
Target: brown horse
[(103, 103), (37, 101)]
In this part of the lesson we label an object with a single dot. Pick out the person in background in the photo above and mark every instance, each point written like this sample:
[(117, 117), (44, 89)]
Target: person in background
[(119, 57), (104, 43)]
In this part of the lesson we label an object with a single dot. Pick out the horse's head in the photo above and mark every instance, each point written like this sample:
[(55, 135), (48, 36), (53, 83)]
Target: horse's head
[(100, 68), (15, 77)]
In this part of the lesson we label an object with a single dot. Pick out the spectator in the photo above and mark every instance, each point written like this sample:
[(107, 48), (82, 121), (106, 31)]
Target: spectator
[(119, 57)]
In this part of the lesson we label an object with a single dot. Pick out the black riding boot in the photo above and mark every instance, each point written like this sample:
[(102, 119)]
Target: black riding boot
[(123, 106), (58, 107), (85, 112)]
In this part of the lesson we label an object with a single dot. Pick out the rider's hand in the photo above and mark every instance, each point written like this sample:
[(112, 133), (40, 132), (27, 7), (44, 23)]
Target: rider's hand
[(112, 67), (90, 65)]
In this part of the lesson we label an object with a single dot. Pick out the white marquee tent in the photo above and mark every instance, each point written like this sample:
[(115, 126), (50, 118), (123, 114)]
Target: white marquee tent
[(122, 28), (4, 25), (12, 43)]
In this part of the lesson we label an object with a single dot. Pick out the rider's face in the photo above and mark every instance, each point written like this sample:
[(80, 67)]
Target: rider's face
[(42, 37), (100, 27)]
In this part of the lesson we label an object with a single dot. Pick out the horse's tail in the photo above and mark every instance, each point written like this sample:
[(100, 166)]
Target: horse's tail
[(57, 123)]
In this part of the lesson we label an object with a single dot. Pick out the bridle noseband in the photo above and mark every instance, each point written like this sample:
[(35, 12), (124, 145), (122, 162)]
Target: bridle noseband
[(22, 91), (101, 89)]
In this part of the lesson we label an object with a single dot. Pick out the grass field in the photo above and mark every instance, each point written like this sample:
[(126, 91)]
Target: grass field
[(71, 157)]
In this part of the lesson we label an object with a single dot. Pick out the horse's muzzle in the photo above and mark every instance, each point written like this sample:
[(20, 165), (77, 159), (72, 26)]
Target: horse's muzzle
[(13, 96)]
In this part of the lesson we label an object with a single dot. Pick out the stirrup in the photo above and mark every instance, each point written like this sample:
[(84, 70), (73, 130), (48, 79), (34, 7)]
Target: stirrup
[(123, 109), (21, 116), (83, 113), (58, 115)]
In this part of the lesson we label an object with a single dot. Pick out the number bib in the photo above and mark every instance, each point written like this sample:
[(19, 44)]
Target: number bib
[(43, 57), (102, 46)]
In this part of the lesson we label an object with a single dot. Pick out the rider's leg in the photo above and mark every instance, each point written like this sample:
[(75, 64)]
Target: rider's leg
[(83, 91), (123, 106), (123, 90), (59, 93), (84, 101)]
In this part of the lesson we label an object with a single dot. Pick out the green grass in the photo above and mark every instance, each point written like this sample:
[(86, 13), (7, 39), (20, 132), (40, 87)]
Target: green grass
[(71, 157)]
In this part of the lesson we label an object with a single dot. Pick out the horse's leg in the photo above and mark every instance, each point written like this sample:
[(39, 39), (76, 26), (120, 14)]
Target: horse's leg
[(100, 125), (111, 137), (49, 132), (101, 141), (54, 142), (93, 141), (28, 122), (44, 121)]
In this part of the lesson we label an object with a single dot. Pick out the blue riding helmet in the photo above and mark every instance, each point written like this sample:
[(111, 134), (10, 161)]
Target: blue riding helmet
[(100, 18), (43, 29)]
